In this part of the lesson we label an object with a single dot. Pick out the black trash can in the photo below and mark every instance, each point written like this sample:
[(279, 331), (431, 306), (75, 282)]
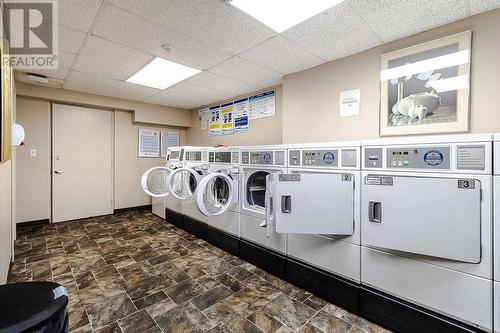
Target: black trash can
[(33, 307)]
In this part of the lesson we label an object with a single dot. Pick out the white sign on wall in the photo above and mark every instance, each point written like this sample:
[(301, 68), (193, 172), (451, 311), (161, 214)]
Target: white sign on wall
[(349, 103), (149, 143), (203, 115), (168, 139)]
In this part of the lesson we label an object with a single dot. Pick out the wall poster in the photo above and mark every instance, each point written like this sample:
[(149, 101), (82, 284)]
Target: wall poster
[(262, 105), (240, 115), (149, 143), (203, 115), (168, 139), (227, 124), (214, 127)]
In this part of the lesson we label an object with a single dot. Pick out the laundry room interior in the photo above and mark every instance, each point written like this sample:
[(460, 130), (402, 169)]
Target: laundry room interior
[(320, 166)]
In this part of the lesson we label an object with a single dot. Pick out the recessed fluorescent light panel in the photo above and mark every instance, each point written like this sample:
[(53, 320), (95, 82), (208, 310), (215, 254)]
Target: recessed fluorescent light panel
[(161, 74), (281, 15)]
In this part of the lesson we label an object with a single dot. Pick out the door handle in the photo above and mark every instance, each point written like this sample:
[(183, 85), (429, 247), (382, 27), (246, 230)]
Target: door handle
[(58, 172), (286, 204), (375, 211)]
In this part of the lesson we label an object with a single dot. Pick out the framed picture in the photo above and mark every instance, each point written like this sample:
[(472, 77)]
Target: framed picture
[(425, 88), (6, 104)]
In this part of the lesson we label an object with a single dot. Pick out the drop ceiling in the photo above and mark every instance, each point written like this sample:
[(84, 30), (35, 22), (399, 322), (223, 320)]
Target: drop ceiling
[(103, 42)]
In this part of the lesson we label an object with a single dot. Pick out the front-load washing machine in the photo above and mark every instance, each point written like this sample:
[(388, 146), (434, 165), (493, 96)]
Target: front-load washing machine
[(426, 230), (218, 198), (258, 245), (154, 183), (496, 227)]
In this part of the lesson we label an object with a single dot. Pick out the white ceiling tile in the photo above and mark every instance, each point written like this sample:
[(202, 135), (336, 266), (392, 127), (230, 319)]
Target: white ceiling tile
[(333, 34), (65, 59), (394, 19), (107, 87), (213, 21), (198, 91), (78, 14), (70, 40), (240, 69), (173, 99), (221, 83), (479, 6), (108, 59), (57, 73), (281, 55), (117, 25)]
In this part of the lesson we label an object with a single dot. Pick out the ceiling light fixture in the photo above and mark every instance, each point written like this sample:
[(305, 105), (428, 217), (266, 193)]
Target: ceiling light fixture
[(161, 74), (38, 78), (281, 15)]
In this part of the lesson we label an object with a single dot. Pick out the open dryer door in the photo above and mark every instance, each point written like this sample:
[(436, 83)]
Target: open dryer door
[(312, 203), (436, 217), (182, 183), (154, 181), (216, 192)]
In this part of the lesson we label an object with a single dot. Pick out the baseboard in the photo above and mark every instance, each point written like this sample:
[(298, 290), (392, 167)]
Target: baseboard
[(222, 240), (32, 223), (174, 218), (195, 227), (401, 316), (266, 259), (127, 209)]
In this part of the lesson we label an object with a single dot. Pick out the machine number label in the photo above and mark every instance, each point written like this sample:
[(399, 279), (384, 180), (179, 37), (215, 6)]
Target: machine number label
[(346, 177), (294, 177), (377, 180), (466, 183)]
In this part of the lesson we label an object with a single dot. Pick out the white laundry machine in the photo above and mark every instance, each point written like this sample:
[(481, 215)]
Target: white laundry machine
[(317, 203), (496, 227), (426, 233), (218, 198), (154, 183), (184, 184), (257, 245)]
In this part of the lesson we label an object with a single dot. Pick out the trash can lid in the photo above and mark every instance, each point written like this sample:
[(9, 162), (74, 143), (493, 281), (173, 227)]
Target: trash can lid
[(25, 305)]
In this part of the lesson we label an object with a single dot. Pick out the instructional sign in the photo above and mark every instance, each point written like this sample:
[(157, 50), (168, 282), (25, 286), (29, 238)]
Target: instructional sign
[(240, 114), (349, 103), (214, 127), (203, 115), (262, 105), (227, 125), (168, 139), (149, 143)]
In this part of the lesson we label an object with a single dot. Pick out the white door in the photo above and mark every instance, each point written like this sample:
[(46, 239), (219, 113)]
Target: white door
[(313, 203), (82, 162), (216, 193), (182, 183), (437, 217)]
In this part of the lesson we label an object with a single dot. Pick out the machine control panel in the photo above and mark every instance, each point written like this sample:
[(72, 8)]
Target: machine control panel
[(235, 157), (245, 157), (320, 157), (176, 155), (263, 157), (193, 156), (219, 157), (419, 157)]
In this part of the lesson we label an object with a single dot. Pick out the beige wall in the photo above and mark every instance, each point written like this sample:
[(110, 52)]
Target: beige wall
[(262, 131), (311, 97), (33, 173)]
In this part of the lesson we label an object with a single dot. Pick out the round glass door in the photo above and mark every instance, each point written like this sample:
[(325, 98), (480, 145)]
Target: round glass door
[(182, 183), (215, 194), (154, 181)]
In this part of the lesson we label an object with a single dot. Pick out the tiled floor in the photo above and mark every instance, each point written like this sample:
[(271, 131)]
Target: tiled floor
[(132, 272)]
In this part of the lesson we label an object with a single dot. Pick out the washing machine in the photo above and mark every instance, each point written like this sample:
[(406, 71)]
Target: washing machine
[(258, 245), (154, 183), (218, 198), (426, 231), (496, 241)]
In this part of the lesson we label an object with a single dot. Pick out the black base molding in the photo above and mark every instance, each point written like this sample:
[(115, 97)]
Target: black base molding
[(330, 287), (401, 316), (225, 241), (127, 209), (270, 261), (195, 227), (174, 218), (34, 223)]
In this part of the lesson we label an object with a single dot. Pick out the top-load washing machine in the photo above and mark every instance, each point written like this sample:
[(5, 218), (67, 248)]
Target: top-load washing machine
[(218, 198), (258, 245), (154, 183), (426, 231), (496, 227)]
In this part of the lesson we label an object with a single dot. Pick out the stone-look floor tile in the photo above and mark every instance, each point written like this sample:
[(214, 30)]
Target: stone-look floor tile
[(137, 322), (289, 311), (194, 272), (109, 310), (208, 282), (184, 291), (336, 311), (364, 324), (229, 282), (264, 322), (150, 300), (246, 301), (211, 297), (61, 270), (84, 329), (154, 329), (184, 318), (239, 273), (137, 272), (148, 286), (315, 302), (77, 318), (172, 271), (308, 328), (220, 328), (111, 284), (329, 323), (219, 312), (85, 280), (294, 292), (237, 323), (265, 287), (110, 328), (161, 307), (104, 271)]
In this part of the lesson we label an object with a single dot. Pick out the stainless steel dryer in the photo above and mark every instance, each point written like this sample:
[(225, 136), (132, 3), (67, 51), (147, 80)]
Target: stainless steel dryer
[(426, 224)]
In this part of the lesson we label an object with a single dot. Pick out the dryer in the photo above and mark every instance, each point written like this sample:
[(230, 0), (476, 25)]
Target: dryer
[(496, 226), (218, 198), (154, 183), (426, 224), (317, 203), (257, 163)]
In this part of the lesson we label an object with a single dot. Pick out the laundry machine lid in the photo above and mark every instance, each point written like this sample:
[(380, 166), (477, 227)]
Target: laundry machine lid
[(154, 181)]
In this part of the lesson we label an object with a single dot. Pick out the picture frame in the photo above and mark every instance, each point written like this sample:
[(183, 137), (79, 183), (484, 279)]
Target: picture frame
[(425, 88), (7, 102)]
